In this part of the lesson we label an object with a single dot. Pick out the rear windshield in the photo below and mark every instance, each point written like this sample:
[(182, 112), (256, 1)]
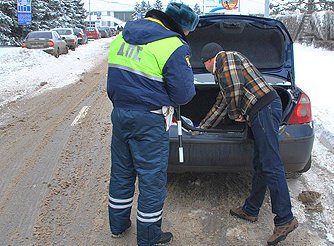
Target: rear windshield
[(39, 35), (77, 30), (64, 31)]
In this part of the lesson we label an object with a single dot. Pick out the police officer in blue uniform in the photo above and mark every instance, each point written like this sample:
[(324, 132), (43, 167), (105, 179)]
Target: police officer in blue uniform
[(149, 71)]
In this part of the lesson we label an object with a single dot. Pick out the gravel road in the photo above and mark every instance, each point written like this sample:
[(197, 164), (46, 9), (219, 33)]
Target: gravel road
[(54, 172)]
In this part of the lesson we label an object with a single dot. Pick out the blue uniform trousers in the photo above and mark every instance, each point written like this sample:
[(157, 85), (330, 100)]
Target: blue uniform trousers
[(268, 166), (140, 147)]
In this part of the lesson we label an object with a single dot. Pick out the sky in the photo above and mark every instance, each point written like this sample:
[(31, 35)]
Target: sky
[(246, 6), (23, 72)]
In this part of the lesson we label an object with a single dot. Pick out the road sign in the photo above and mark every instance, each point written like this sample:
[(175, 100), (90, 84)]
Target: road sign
[(24, 6), (24, 12), (98, 14), (230, 4), (24, 18)]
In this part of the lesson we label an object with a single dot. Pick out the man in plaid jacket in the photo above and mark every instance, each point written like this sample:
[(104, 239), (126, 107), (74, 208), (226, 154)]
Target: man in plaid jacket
[(245, 96)]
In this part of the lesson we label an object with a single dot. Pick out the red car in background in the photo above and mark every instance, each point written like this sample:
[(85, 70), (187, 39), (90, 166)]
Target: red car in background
[(92, 33)]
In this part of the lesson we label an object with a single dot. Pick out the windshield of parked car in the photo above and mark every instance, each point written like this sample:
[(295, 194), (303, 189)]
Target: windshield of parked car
[(64, 31), (39, 35), (77, 30)]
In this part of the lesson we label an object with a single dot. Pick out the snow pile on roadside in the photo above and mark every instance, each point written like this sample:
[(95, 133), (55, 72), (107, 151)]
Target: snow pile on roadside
[(25, 71), (314, 76)]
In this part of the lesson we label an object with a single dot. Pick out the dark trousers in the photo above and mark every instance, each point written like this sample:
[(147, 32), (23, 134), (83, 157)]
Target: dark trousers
[(140, 147), (268, 166)]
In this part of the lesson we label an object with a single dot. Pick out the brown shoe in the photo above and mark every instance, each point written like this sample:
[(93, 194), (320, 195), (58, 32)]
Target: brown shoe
[(240, 213), (280, 232)]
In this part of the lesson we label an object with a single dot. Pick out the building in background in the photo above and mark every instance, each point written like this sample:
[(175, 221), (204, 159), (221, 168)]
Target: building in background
[(104, 13)]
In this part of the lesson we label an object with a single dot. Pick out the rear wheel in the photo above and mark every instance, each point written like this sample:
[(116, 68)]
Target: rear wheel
[(57, 53), (73, 48), (295, 175)]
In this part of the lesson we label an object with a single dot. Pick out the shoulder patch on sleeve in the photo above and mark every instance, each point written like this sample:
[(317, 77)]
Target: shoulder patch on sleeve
[(188, 60)]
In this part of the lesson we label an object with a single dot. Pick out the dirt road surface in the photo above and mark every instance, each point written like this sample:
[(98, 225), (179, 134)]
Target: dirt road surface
[(54, 172)]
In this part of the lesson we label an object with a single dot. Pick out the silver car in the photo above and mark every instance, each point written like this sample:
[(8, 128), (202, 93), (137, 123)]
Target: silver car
[(49, 41), (68, 35)]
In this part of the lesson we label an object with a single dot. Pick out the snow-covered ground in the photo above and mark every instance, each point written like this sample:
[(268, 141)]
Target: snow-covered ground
[(27, 72), (30, 72)]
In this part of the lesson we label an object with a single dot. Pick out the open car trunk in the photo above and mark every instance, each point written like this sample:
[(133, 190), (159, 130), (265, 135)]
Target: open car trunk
[(265, 42), (205, 98)]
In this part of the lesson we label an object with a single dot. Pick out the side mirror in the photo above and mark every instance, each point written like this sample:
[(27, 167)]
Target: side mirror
[(63, 38)]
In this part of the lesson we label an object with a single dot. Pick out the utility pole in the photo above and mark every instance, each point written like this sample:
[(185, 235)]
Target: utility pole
[(90, 16), (266, 8)]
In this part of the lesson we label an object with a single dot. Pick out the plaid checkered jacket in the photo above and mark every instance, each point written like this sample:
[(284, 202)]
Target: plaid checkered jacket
[(243, 90)]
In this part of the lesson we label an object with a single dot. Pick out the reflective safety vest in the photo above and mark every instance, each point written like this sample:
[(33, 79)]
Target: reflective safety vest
[(147, 60)]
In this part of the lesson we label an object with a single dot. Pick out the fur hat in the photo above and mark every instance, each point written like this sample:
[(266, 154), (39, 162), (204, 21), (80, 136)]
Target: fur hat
[(183, 15), (209, 51)]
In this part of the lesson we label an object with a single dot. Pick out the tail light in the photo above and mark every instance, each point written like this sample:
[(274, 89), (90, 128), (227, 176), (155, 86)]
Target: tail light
[(80, 35), (24, 44), (51, 43), (302, 112)]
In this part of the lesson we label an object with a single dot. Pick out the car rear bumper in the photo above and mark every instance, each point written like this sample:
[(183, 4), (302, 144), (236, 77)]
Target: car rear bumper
[(214, 154), (49, 50)]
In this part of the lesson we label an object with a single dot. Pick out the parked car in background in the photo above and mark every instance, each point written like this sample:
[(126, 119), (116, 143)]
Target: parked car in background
[(48, 41), (68, 35), (104, 34), (229, 146), (105, 29), (92, 33), (114, 32), (82, 37)]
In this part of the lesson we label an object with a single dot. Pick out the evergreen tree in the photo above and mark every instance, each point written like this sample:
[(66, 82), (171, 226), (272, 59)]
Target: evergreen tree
[(46, 14), (136, 12), (10, 30), (148, 7), (197, 9), (143, 8), (158, 5)]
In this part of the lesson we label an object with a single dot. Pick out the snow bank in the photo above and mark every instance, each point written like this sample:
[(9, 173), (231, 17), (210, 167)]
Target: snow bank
[(24, 72), (314, 76)]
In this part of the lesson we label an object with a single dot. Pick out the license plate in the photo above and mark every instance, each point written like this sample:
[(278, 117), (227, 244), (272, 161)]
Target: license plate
[(35, 46)]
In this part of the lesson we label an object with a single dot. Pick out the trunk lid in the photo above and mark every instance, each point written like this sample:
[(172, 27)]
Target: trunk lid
[(266, 42), (38, 43)]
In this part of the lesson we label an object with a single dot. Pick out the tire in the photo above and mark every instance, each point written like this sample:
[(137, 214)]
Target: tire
[(307, 166), (57, 53), (295, 175), (73, 48)]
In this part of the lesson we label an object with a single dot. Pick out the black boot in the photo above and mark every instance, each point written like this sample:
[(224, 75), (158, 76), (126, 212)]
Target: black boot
[(166, 237)]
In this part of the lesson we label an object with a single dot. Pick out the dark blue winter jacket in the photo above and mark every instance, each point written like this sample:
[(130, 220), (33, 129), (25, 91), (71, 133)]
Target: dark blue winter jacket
[(149, 67)]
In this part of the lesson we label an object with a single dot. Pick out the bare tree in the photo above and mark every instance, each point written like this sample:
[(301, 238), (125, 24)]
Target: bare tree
[(303, 6)]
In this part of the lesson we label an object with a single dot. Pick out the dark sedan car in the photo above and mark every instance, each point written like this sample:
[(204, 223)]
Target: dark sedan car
[(229, 146), (82, 37), (48, 41)]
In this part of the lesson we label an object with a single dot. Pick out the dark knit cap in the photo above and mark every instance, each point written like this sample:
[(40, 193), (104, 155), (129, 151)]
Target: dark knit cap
[(183, 15), (209, 51)]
